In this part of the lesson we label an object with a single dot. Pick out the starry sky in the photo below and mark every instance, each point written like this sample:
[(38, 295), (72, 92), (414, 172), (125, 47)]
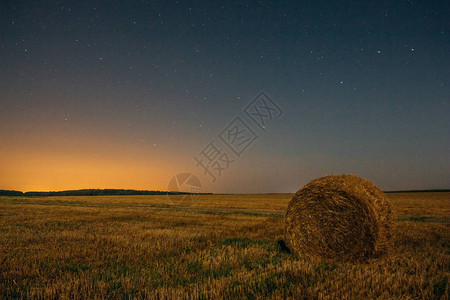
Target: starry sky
[(127, 94)]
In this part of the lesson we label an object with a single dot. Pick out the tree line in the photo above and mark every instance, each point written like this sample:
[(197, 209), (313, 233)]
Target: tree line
[(91, 192)]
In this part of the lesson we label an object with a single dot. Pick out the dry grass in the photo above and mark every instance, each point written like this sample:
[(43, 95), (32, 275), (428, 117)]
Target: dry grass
[(341, 217), (224, 246)]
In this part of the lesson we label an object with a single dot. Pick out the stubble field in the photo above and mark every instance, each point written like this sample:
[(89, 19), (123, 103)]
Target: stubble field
[(222, 246)]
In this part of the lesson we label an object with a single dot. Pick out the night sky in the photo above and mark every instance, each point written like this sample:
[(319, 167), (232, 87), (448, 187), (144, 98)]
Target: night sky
[(127, 94)]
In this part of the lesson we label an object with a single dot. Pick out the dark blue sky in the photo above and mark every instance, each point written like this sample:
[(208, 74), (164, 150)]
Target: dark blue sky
[(125, 94)]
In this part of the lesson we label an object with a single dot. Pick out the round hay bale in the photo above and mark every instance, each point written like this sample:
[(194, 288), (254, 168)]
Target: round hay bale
[(339, 217)]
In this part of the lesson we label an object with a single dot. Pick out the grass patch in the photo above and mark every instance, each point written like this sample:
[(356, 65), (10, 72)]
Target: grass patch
[(244, 242)]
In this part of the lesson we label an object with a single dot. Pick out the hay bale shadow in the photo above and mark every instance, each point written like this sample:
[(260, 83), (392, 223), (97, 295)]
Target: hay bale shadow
[(283, 247)]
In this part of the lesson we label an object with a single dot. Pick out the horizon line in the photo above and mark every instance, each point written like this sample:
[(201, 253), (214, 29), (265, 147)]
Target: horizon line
[(180, 192)]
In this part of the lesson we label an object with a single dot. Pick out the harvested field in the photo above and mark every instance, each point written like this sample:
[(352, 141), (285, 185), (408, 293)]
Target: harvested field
[(223, 246)]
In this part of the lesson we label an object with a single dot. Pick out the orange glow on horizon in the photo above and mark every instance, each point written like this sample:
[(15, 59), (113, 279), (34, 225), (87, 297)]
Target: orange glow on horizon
[(53, 171)]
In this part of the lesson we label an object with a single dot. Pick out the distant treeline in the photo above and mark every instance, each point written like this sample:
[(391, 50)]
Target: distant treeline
[(89, 192), (119, 192)]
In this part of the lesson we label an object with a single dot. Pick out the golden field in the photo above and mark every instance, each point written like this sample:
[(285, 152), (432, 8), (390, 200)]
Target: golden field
[(223, 246)]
